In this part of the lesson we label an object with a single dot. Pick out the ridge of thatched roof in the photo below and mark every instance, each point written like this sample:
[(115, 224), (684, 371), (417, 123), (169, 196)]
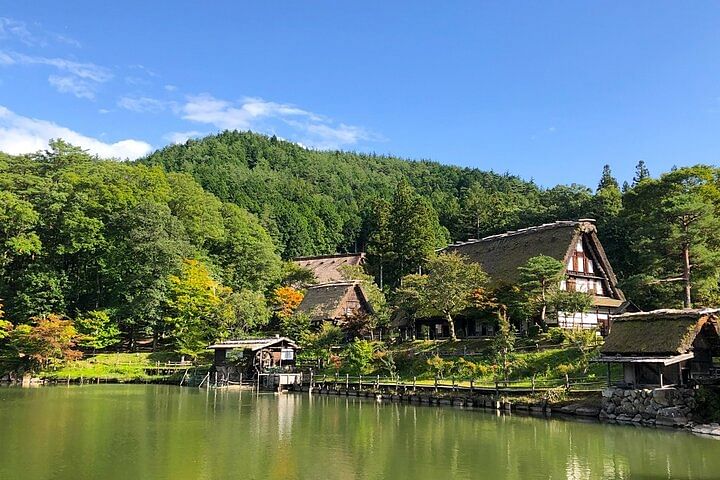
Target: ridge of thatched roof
[(326, 268), (324, 302), (658, 332), (501, 255)]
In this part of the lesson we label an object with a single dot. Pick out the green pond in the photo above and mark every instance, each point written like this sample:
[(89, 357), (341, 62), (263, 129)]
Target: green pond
[(163, 432)]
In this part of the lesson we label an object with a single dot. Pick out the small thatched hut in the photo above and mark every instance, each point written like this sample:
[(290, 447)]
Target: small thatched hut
[(335, 302), (663, 347)]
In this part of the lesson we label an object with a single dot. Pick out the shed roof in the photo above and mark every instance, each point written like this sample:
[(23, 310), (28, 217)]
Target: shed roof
[(659, 332), (252, 343), (326, 268), (324, 302)]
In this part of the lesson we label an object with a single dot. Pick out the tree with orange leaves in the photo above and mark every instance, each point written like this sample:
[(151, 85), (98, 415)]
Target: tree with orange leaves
[(286, 301)]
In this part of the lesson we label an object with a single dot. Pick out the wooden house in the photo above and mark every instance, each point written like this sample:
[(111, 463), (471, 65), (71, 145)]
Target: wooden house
[(328, 268), (335, 302), (664, 347), (575, 244), (254, 359)]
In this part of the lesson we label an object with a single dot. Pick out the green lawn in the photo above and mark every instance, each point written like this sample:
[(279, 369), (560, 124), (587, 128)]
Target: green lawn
[(120, 367)]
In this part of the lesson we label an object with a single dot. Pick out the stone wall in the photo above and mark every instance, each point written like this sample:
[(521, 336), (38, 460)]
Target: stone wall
[(667, 406)]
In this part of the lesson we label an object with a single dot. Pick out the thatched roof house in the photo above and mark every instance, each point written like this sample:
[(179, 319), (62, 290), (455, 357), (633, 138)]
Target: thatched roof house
[(335, 302), (327, 268), (574, 243), (663, 346)]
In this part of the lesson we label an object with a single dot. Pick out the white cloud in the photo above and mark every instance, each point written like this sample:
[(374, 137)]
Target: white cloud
[(143, 104), (17, 30), (78, 78), (69, 84), (19, 134), (85, 70), (182, 137), (10, 28), (328, 137), (255, 114), (170, 88), (205, 108)]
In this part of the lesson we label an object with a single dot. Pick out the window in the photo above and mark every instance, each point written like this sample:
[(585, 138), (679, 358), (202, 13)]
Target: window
[(287, 354)]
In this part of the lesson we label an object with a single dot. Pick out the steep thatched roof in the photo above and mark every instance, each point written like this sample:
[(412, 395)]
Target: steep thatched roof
[(326, 268), (326, 302), (659, 332), (501, 255)]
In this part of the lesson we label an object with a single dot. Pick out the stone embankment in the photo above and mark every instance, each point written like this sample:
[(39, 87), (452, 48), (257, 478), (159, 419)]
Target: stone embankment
[(669, 406)]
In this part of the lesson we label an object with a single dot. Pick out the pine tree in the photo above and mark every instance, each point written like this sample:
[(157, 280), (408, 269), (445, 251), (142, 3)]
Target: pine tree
[(641, 173), (607, 180)]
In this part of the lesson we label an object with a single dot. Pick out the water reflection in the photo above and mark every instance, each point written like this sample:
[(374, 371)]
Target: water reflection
[(159, 432)]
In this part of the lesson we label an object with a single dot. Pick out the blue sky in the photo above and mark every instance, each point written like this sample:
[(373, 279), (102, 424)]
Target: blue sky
[(547, 90)]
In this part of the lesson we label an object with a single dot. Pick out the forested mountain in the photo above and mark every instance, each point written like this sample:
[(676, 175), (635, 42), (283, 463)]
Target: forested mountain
[(316, 202)]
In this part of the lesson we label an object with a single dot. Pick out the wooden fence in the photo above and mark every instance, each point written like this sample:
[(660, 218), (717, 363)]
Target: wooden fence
[(576, 384)]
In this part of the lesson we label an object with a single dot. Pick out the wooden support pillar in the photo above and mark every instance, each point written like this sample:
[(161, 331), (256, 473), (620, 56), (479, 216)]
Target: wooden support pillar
[(608, 373)]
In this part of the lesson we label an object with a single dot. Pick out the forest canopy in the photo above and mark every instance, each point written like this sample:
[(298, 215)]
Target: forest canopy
[(120, 246)]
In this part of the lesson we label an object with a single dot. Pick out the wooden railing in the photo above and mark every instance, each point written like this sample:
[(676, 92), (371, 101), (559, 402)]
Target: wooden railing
[(577, 384)]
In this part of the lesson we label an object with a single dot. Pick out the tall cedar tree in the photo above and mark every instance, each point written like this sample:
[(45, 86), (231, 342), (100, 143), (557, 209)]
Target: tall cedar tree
[(674, 241)]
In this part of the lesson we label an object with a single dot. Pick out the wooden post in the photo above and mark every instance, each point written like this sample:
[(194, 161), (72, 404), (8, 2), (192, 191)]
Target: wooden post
[(533, 383), (360, 383), (662, 383), (347, 382), (414, 383), (311, 379), (377, 383), (567, 382), (471, 385), (436, 383), (608, 373)]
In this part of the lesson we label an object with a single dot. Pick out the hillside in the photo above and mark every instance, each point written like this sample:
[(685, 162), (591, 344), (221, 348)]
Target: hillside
[(316, 202)]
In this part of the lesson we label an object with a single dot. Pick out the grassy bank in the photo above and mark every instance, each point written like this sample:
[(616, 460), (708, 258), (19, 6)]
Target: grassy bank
[(121, 367), (542, 363)]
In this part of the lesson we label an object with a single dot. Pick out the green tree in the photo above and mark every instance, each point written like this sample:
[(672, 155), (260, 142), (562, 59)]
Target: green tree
[(503, 344), (451, 285), (641, 173), (360, 356), (607, 180), (539, 282), (197, 311), (249, 313), (97, 329), (673, 250)]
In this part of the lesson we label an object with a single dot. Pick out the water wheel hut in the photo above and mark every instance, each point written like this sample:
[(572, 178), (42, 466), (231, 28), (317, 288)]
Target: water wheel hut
[(267, 362)]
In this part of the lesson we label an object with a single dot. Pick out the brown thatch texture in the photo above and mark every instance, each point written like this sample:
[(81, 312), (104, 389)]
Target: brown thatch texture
[(501, 255), (660, 332), (327, 267), (328, 302)]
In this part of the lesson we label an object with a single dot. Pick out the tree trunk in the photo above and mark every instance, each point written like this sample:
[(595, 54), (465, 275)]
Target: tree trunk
[(686, 275), (451, 324)]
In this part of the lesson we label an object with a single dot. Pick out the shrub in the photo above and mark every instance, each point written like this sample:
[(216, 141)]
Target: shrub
[(360, 357)]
